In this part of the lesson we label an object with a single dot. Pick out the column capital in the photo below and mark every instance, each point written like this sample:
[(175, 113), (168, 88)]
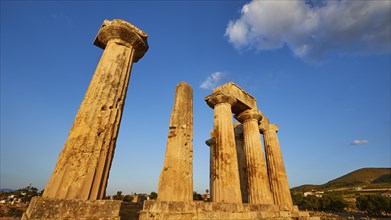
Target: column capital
[(211, 142), (249, 114), (264, 120), (217, 98), (268, 127), (125, 33)]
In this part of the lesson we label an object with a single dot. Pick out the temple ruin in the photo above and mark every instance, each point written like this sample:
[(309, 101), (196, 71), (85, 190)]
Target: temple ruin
[(247, 180), (247, 177)]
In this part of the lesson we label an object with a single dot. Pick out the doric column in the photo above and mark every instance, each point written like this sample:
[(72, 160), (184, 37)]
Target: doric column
[(212, 144), (275, 164), (83, 166), (242, 166), (257, 178), (226, 184), (176, 178)]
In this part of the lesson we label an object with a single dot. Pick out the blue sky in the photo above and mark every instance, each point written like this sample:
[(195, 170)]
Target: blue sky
[(320, 70)]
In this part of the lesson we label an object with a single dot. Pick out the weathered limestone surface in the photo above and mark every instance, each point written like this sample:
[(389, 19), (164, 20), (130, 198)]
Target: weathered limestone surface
[(258, 181), (226, 184), (83, 166), (212, 168), (277, 175), (242, 166), (158, 210), (176, 178), (62, 209), (243, 99)]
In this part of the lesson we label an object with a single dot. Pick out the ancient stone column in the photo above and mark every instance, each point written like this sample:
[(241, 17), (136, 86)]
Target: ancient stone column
[(176, 178), (212, 144), (83, 166), (275, 164), (226, 184), (242, 166), (257, 178)]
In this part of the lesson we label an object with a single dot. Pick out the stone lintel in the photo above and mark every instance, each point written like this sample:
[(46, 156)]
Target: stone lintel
[(127, 33), (44, 208), (244, 99)]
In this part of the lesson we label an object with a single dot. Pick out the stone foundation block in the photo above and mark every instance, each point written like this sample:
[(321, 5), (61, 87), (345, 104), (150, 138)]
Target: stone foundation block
[(43, 208), (164, 210)]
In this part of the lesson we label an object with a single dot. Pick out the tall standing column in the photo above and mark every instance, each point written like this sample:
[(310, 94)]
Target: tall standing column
[(212, 144), (226, 183), (258, 181), (83, 166), (276, 169), (242, 166), (176, 178)]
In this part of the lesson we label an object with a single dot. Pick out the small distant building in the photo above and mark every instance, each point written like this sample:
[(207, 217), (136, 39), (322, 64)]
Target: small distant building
[(205, 196), (314, 193)]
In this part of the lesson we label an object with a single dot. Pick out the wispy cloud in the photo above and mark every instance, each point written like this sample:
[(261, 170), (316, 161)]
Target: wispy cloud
[(359, 142), (313, 28), (213, 80)]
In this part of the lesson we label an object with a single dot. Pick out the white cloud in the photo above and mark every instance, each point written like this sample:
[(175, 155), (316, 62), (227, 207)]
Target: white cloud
[(359, 142), (312, 29), (213, 80)]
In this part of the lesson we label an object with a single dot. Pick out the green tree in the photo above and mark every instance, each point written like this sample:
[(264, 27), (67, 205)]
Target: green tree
[(118, 196), (14, 212), (128, 198), (27, 193), (153, 195), (328, 202), (333, 202), (297, 198), (374, 204), (311, 202), (197, 196)]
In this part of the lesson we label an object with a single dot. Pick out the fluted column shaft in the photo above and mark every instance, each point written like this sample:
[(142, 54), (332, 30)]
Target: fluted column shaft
[(226, 184), (176, 178), (83, 166), (277, 175), (242, 166), (258, 181), (212, 168)]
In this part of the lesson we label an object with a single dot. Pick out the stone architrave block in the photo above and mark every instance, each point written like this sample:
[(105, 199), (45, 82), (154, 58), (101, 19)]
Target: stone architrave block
[(244, 100)]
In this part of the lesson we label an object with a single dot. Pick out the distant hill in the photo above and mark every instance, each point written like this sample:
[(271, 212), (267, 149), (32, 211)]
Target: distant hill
[(7, 190), (360, 177)]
